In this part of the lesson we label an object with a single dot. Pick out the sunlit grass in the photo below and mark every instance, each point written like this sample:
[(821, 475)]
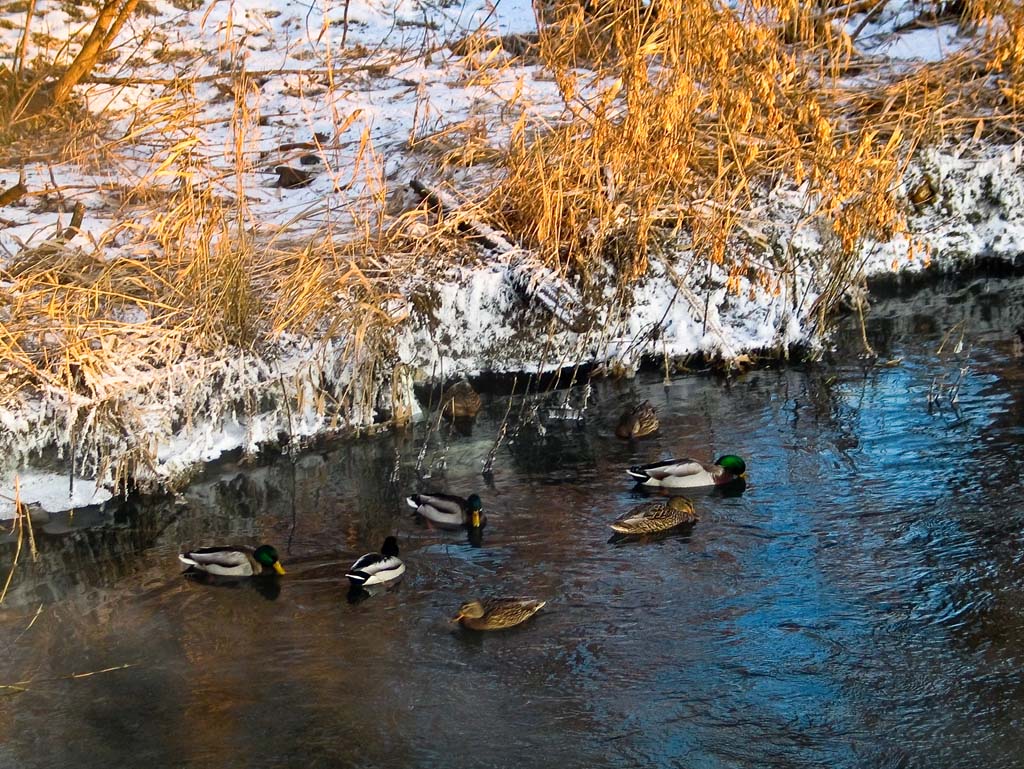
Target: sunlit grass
[(694, 110)]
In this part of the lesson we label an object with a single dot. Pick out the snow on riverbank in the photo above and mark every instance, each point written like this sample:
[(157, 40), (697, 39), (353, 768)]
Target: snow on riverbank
[(402, 78)]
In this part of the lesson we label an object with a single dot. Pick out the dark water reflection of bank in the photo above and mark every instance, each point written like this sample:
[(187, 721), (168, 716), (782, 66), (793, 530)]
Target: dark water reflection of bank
[(859, 605)]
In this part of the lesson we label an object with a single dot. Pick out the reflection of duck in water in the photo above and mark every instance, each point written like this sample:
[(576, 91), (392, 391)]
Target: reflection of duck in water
[(233, 561), (377, 568), (268, 588), (654, 517), (356, 594), (448, 511), (638, 422), (497, 613), (460, 401), (690, 473)]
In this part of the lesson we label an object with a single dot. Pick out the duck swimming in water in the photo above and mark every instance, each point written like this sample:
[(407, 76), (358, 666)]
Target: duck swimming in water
[(689, 473), (460, 401), (497, 613), (654, 517), (233, 561), (377, 568), (449, 511), (638, 422)]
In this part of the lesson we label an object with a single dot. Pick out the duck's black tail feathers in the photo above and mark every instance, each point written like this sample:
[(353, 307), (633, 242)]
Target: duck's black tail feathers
[(636, 471)]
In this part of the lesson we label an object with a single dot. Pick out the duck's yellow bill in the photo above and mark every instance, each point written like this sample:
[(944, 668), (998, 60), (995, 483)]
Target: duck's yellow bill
[(457, 617), (279, 568), (476, 520)]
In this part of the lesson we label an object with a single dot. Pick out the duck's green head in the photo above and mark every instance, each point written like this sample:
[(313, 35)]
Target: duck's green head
[(475, 506), (265, 555), (732, 464)]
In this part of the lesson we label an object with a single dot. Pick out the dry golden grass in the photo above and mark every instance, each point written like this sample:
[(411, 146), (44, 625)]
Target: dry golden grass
[(1003, 22), (695, 110), (206, 282)]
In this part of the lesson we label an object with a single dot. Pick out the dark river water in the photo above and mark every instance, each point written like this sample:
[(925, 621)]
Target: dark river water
[(860, 604)]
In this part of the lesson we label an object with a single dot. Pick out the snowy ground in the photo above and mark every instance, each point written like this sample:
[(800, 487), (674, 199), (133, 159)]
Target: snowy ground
[(358, 80)]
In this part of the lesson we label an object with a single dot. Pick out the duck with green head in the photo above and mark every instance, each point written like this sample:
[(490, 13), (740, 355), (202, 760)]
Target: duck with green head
[(449, 511), (233, 561), (689, 473)]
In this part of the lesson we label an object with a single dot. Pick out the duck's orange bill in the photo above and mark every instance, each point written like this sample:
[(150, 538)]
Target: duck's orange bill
[(279, 568), (457, 617)]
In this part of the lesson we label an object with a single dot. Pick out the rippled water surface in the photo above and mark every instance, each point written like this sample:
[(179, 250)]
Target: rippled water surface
[(858, 605)]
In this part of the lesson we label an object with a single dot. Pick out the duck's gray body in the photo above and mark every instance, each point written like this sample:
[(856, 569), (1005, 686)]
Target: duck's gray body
[(223, 561), (683, 473), (447, 511)]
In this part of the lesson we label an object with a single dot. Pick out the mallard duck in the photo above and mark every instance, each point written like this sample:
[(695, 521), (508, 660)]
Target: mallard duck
[(449, 511), (460, 401), (234, 561), (656, 516), (375, 568), (690, 473), (497, 613), (638, 422)]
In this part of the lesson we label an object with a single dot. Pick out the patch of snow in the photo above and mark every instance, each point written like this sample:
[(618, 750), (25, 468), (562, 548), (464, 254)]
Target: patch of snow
[(933, 44), (50, 491), (978, 210)]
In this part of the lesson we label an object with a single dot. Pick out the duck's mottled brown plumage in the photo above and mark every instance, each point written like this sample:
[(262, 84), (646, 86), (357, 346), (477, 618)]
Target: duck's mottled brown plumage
[(460, 401), (653, 517), (638, 422), (497, 613)]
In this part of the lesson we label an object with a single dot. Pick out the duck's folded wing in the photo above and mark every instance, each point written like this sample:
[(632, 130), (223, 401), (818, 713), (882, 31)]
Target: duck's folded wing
[(225, 557), (630, 516), (644, 517), (673, 468), (446, 503), (375, 564), (514, 609), (367, 561)]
